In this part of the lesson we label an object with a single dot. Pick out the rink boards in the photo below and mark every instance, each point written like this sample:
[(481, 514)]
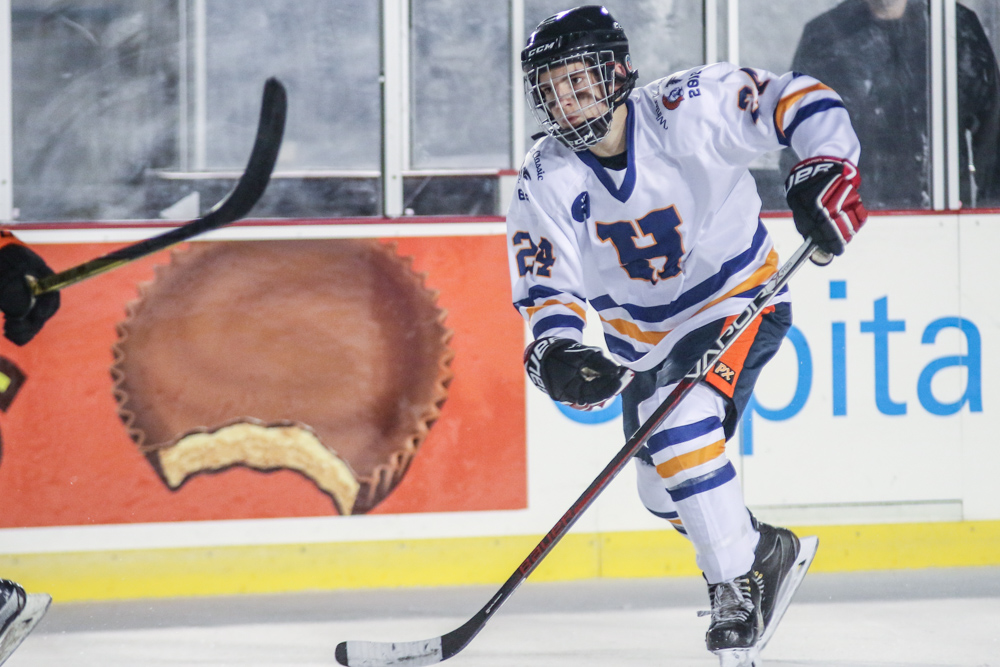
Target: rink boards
[(871, 429)]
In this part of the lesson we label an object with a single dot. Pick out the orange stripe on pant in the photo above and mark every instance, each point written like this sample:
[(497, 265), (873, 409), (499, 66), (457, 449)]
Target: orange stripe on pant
[(671, 467), (726, 371)]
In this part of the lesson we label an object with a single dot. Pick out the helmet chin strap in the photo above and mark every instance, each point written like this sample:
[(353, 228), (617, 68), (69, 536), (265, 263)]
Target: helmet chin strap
[(613, 141)]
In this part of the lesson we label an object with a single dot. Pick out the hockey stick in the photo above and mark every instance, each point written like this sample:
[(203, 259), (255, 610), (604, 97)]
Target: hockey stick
[(431, 651), (234, 206)]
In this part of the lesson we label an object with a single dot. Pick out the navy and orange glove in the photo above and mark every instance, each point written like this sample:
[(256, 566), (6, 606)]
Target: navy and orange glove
[(579, 376), (24, 315), (823, 195)]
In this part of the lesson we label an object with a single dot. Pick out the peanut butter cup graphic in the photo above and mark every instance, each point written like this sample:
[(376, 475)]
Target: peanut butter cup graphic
[(329, 358)]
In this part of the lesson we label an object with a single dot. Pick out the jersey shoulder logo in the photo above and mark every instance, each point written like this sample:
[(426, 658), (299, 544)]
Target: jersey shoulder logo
[(580, 210), (525, 174), (673, 99)]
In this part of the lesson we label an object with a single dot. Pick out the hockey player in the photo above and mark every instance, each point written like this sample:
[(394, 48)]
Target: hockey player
[(639, 202), (24, 315)]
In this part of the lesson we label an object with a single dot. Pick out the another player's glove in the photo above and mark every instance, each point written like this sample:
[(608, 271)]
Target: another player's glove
[(578, 375), (823, 195), (24, 315)]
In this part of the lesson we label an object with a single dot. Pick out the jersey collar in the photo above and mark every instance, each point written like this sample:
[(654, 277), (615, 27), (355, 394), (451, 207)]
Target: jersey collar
[(628, 184)]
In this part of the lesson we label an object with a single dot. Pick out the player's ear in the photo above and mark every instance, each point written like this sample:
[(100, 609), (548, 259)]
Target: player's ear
[(621, 74)]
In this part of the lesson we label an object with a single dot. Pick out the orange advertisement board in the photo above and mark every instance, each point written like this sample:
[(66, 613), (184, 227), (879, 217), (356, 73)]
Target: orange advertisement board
[(71, 429)]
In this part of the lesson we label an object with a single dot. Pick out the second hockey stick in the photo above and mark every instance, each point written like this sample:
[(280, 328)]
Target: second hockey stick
[(437, 649), (240, 200)]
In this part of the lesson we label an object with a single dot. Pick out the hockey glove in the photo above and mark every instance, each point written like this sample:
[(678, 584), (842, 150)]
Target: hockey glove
[(823, 195), (24, 315), (577, 375)]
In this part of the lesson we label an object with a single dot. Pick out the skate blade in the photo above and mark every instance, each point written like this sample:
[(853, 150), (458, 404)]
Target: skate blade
[(807, 551), (739, 657), (34, 608)]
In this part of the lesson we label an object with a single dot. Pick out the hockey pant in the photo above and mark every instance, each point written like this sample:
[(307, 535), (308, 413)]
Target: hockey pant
[(683, 473)]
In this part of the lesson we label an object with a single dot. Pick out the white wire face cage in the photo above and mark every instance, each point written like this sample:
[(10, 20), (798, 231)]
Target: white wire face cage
[(572, 98)]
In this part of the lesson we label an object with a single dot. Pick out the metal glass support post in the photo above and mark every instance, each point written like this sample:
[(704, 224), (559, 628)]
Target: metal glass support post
[(6, 116), (395, 103), (517, 38), (733, 32), (938, 202), (507, 180), (951, 105), (710, 13), (199, 75), (192, 132)]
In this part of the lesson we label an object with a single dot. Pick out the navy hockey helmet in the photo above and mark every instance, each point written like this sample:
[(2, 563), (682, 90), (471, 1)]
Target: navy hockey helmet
[(570, 78)]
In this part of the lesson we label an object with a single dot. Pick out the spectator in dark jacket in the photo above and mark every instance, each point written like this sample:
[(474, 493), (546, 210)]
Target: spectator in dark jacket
[(875, 54)]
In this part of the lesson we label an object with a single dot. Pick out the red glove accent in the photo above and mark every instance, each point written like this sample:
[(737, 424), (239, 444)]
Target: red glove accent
[(823, 195)]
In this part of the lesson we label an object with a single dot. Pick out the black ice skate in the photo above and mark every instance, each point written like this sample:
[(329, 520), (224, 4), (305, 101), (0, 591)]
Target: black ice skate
[(746, 610), (18, 615), (12, 599)]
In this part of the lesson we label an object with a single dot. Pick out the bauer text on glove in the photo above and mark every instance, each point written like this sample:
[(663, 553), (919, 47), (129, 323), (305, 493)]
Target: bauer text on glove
[(823, 195)]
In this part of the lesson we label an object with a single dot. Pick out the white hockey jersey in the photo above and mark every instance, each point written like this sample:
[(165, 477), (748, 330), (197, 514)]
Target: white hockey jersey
[(675, 240)]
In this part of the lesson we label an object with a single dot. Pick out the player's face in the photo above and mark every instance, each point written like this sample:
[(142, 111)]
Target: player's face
[(572, 93)]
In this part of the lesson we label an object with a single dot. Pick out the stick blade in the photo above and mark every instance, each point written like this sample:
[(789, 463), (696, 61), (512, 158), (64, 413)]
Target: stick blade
[(34, 608), (385, 654), (263, 156)]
